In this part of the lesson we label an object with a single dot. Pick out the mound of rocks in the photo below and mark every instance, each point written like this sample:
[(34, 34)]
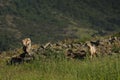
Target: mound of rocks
[(70, 48), (76, 49)]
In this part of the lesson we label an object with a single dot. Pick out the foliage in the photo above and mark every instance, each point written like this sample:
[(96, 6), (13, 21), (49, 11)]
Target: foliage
[(48, 20)]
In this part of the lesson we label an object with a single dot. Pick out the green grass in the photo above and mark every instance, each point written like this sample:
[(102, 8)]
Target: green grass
[(56, 67)]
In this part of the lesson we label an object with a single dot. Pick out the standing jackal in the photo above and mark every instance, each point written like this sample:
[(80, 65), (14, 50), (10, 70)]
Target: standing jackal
[(27, 45)]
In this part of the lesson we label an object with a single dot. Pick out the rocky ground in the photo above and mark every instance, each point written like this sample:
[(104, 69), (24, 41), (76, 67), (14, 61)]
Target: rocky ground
[(70, 48), (76, 49)]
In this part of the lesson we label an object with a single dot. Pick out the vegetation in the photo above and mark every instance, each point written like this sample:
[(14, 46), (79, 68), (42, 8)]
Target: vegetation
[(52, 20), (51, 63), (56, 67)]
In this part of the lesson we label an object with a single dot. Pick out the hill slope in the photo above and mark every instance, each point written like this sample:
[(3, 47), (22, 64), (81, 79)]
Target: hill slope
[(52, 20)]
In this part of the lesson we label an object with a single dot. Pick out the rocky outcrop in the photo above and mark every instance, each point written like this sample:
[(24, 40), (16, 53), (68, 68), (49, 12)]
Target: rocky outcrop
[(71, 49), (76, 49)]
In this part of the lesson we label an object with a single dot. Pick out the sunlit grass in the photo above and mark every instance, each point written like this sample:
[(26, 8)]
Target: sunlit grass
[(101, 68)]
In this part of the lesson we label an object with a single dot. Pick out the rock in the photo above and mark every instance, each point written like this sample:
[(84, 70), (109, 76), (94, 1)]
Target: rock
[(75, 54)]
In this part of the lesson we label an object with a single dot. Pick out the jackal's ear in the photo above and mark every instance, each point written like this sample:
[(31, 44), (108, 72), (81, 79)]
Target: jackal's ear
[(23, 42)]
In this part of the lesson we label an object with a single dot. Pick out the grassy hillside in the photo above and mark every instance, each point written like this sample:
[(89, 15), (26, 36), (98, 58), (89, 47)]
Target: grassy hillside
[(52, 20)]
